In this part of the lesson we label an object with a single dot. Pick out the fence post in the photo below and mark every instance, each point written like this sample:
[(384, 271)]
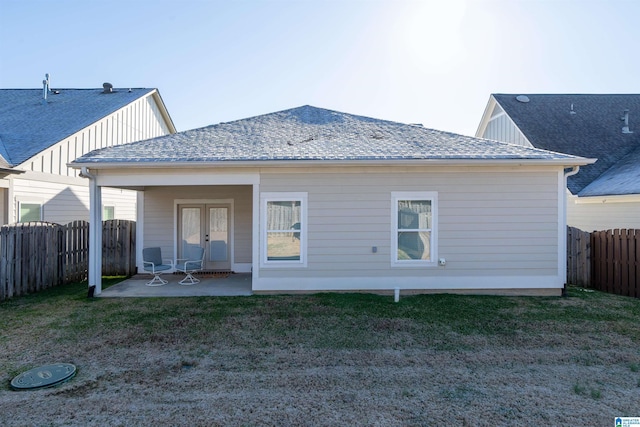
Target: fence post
[(3, 264), (634, 262)]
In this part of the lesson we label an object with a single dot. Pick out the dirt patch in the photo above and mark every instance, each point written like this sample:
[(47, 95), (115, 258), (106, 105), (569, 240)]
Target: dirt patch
[(323, 361)]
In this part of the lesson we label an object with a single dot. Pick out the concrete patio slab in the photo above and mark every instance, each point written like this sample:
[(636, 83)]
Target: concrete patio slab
[(232, 285)]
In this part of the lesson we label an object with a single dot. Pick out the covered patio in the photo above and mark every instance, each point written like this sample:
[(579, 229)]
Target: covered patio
[(211, 285)]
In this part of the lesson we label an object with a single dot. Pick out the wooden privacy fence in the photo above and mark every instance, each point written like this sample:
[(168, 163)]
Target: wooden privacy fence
[(616, 261), (39, 255), (605, 260), (578, 257), (118, 248)]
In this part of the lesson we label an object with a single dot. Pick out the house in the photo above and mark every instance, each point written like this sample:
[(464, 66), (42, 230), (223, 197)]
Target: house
[(42, 130), (604, 195), (310, 199)]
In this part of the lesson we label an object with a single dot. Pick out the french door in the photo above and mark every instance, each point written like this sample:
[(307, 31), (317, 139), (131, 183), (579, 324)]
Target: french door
[(207, 226)]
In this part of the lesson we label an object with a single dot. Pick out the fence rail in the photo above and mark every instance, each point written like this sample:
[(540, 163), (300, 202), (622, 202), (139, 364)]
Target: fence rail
[(40, 255)]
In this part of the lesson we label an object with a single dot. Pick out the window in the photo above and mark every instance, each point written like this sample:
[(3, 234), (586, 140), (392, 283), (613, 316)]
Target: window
[(108, 212), (284, 231), (414, 232), (29, 212)]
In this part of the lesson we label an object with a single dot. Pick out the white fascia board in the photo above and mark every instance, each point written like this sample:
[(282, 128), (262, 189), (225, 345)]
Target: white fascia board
[(486, 116), (577, 161), (163, 110), (155, 179), (624, 198)]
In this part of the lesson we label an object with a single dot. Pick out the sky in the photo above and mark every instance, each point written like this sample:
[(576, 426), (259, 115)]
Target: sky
[(433, 62)]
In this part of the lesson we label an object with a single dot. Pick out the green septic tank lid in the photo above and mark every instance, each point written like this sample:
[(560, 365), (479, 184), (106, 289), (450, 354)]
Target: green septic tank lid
[(44, 376)]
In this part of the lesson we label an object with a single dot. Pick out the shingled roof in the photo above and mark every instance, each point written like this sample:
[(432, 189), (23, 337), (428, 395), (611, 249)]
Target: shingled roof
[(588, 126), (29, 125), (310, 133)]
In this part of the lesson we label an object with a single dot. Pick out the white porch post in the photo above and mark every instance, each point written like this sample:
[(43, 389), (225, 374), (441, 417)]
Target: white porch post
[(139, 229), (255, 237), (95, 236)]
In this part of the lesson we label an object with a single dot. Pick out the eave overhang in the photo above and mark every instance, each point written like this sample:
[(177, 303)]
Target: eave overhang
[(569, 162), (4, 172)]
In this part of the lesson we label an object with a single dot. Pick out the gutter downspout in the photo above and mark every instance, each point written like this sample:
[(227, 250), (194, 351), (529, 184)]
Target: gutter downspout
[(574, 170), (95, 233), (563, 228)]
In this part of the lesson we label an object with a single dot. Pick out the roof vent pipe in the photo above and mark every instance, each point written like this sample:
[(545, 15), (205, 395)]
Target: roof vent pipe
[(625, 119), (108, 88), (45, 88)]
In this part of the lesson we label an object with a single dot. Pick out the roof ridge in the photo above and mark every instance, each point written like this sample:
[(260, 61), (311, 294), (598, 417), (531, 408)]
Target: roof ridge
[(308, 133)]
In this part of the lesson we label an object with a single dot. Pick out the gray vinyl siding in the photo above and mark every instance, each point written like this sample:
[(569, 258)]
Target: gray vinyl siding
[(603, 216), (63, 203), (159, 215), (489, 222)]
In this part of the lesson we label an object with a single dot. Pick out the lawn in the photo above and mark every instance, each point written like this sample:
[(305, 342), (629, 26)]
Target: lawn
[(325, 359)]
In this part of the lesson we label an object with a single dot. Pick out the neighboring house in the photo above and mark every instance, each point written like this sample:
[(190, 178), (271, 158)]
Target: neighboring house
[(42, 130), (310, 199), (604, 195)]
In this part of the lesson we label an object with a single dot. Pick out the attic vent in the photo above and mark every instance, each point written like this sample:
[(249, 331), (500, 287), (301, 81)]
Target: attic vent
[(522, 98), (625, 119), (108, 88), (45, 88)]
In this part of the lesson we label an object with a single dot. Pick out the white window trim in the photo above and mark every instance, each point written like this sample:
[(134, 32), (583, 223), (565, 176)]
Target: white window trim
[(283, 197), (414, 195), (29, 202)]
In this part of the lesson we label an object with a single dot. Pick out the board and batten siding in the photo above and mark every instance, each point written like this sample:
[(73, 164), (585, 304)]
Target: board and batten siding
[(160, 216), (603, 213), (139, 120), (491, 223), (501, 128), (65, 196)]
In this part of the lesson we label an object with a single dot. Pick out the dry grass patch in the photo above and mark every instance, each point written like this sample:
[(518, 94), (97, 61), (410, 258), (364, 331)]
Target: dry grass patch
[(326, 359)]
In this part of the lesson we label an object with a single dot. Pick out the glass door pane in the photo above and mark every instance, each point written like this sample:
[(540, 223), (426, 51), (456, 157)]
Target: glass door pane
[(190, 229), (219, 234)]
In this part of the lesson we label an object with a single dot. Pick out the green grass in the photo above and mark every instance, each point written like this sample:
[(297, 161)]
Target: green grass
[(451, 350), (331, 320), (328, 320), (582, 389)]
